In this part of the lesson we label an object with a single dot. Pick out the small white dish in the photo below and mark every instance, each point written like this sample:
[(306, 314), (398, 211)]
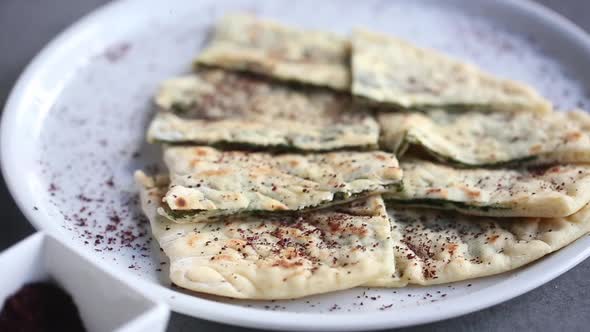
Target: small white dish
[(105, 302)]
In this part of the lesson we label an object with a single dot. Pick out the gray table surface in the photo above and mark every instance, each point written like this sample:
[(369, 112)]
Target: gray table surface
[(562, 304)]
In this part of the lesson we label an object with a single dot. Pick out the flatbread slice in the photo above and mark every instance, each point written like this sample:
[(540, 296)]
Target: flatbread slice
[(244, 42), (393, 72), (475, 139), (435, 247), (207, 183), (275, 257), (233, 110), (548, 191)]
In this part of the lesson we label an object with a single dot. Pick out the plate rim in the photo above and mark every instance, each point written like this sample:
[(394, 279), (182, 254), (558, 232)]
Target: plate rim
[(256, 318)]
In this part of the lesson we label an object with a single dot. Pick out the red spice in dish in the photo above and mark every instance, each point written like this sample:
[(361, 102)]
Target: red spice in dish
[(40, 306)]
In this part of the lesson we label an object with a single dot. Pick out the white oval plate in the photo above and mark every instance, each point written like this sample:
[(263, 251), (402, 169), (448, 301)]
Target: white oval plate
[(73, 132)]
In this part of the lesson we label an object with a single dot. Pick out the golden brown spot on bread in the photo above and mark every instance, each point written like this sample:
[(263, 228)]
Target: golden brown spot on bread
[(293, 163), (223, 257), (361, 231), (536, 148), (380, 157), (200, 152), (358, 230), (180, 202), (215, 172), (493, 238), (192, 240), (290, 253), (472, 193), (236, 243), (392, 171), (293, 232), (451, 247), (264, 170), (573, 136)]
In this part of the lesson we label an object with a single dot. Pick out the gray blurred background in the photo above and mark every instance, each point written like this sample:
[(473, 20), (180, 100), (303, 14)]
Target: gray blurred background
[(561, 305)]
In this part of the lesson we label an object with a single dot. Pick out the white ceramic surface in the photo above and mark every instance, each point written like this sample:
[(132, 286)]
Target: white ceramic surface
[(73, 132), (105, 302)]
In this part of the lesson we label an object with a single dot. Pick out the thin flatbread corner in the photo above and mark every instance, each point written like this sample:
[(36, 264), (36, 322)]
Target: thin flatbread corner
[(480, 139), (549, 191), (436, 247), (393, 72), (274, 257), (244, 42)]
